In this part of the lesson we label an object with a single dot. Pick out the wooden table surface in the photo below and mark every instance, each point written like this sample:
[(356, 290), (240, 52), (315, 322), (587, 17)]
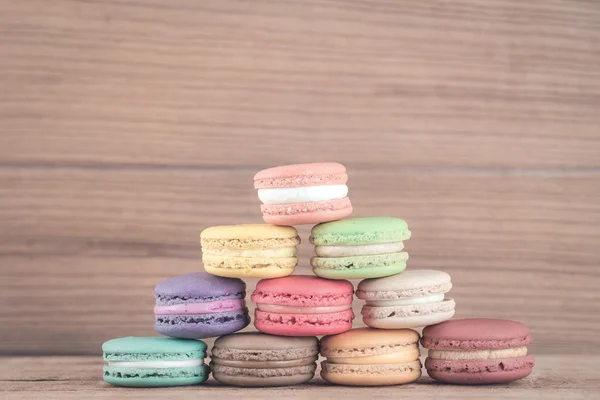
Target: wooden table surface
[(554, 377)]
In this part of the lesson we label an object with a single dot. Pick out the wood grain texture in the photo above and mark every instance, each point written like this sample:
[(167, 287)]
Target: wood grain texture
[(128, 126), (494, 84), (554, 377), (82, 249)]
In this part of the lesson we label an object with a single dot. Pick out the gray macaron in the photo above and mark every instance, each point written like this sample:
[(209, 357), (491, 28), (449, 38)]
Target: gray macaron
[(258, 359)]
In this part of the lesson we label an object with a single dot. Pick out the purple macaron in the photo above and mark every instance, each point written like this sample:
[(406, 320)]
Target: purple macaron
[(200, 305)]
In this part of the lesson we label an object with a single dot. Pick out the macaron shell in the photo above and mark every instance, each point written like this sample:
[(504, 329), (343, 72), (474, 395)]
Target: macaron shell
[(409, 310), (249, 231), (303, 290), (371, 375), (483, 378), (249, 267), (303, 324), (359, 267), (412, 283), (476, 334), (201, 326), (306, 213), (152, 348), (408, 322), (366, 337), (357, 262), (483, 365), (197, 286), (247, 342), (254, 381), (362, 273), (314, 174), (479, 372), (155, 377), (360, 231)]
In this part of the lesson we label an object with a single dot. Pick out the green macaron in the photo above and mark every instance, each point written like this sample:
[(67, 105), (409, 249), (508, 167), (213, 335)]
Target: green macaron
[(359, 248), (154, 361)]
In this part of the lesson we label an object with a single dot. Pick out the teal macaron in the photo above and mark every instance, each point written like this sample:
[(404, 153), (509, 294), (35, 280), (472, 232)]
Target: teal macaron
[(154, 361), (359, 248)]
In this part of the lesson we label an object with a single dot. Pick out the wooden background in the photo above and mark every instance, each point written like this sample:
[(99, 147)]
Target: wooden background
[(128, 126)]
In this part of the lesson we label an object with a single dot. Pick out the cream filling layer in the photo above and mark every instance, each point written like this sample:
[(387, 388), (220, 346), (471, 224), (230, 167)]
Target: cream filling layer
[(156, 364), (302, 194), (253, 253), (360, 250), (275, 308), (200, 308), (264, 364), (477, 354), (396, 357), (434, 298)]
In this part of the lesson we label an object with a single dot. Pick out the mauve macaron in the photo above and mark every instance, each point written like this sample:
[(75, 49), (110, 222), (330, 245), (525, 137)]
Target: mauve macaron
[(477, 351), (303, 194), (200, 305)]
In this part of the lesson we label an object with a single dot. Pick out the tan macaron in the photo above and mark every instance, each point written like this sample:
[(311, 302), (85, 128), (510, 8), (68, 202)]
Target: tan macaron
[(249, 251), (371, 357)]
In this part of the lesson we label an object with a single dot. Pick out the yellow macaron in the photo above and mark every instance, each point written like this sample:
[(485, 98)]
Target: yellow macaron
[(249, 251), (371, 357)]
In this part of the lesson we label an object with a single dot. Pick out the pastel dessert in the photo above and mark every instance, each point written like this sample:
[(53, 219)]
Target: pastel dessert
[(200, 305), (250, 251), (303, 193), (358, 248), (371, 357), (478, 351), (408, 300), (154, 361), (301, 305), (256, 359)]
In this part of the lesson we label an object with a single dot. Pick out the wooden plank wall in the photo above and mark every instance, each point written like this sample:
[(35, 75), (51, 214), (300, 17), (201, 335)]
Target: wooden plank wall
[(128, 126)]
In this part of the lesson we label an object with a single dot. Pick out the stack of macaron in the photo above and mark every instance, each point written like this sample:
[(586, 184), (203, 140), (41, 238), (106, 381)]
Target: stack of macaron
[(292, 310)]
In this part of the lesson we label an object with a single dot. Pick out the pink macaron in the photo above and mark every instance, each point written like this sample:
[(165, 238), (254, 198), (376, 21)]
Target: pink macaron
[(300, 305), (303, 193), (477, 351)]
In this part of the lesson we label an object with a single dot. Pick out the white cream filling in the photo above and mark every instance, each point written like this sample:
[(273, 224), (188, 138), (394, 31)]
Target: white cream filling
[(157, 364), (253, 253), (274, 308), (361, 250), (434, 298), (477, 354), (302, 194)]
